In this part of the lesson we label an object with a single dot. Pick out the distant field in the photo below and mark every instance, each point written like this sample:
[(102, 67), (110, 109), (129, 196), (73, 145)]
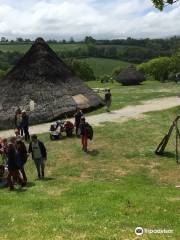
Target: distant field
[(24, 47), (57, 47), (103, 66)]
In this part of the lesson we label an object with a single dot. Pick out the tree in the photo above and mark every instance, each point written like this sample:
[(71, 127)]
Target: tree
[(81, 69), (19, 40), (4, 40), (71, 40), (160, 4), (89, 40), (175, 63), (158, 68)]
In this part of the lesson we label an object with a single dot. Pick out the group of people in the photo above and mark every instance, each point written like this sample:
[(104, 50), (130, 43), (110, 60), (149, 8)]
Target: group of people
[(22, 123), (14, 152), (14, 156), (82, 129)]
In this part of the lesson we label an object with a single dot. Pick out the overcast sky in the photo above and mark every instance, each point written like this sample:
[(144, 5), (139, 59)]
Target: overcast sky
[(77, 18)]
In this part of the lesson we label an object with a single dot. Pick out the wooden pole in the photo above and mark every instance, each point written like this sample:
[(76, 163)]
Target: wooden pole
[(177, 142), (161, 147)]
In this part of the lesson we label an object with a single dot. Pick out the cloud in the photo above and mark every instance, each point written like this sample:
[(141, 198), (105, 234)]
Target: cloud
[(78, 18)]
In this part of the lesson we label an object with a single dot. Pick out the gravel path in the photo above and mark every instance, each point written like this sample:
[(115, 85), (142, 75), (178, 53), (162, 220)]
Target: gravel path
[(121, 115)]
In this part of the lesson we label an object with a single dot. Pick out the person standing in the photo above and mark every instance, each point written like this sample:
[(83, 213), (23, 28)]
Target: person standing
[(25, 125), (78, 115), (13, 167), (18, 121), (84, 134), (108, 100), (22, 154), (39, 155)]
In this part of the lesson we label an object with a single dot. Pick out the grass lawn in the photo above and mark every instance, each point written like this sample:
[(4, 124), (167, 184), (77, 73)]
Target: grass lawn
[(103, 66), (105, 194), (131, 95)]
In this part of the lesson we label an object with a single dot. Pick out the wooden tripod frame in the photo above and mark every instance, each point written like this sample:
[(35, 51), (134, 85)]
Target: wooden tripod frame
[(161, 148)]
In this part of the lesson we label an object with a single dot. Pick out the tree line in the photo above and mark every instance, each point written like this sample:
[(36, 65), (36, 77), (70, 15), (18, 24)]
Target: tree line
[(147, 42), (129, 50), (81, 68)]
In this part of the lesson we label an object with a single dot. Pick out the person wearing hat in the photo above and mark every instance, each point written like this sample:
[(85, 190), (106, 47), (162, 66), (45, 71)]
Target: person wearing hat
[(25, 125)]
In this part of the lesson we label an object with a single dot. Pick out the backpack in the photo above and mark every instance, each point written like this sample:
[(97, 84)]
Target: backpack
[(90, 132)]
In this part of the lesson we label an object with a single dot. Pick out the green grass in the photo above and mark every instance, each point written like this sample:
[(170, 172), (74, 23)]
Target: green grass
[(132, 95), (119, 185), (103, 66)]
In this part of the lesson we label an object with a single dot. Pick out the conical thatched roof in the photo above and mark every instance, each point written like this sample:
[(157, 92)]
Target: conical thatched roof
[(43, 83), (130, 76)]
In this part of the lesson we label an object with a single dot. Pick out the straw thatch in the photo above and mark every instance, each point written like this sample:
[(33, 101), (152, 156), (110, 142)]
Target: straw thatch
[(43, 83), (130, 76)]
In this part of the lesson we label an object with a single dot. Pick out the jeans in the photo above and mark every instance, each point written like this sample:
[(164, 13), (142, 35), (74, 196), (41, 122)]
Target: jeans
[(26, 133), (40, 166), (14, 176)]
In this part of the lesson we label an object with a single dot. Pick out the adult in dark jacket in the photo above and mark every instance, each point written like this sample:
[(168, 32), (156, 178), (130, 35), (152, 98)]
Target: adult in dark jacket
[(78, 115), (25, 125), (39, 155), (13, 167), (22, 154), (84, 134)]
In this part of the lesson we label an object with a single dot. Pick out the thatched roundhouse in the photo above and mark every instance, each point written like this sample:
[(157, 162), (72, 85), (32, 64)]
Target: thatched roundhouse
[(43, 84), (130, 76)]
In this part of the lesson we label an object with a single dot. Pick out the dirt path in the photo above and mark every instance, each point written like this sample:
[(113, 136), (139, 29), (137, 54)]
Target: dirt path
[(121, 115)]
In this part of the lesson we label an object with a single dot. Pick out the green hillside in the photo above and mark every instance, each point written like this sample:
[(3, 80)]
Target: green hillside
[(103, 66)]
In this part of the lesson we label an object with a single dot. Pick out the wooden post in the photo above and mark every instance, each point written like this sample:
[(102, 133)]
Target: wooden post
[(160, 149), (177, 142)]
